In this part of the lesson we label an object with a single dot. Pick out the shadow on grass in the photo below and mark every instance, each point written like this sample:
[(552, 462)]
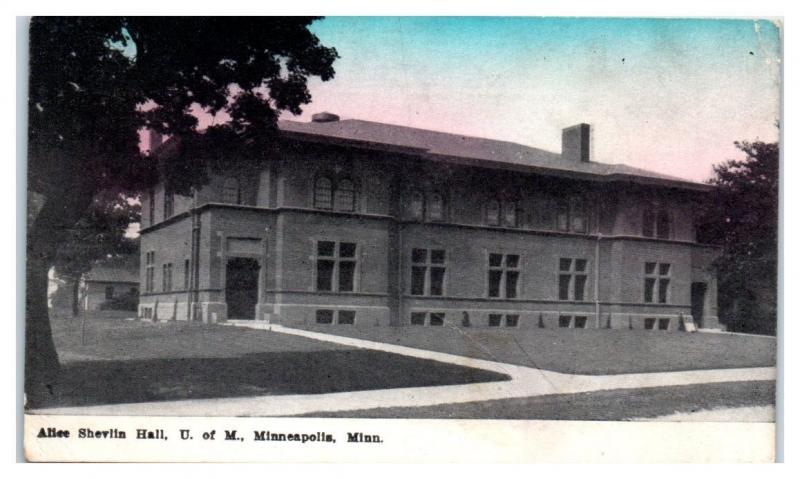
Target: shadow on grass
[(84, 383)]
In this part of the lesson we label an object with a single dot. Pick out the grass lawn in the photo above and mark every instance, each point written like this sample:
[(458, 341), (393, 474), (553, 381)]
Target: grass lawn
[(123, 361), (580, 351), (616, 405)]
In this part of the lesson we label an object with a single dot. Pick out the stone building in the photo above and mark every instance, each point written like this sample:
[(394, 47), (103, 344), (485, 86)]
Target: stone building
[(357, 222)]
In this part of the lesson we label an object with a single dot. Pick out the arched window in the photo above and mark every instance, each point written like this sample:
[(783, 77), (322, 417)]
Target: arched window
[(230, 191), (417, 206), (436, 207), (493, 212), (345, 196), (663, 224), (323, 192), (510, 213)]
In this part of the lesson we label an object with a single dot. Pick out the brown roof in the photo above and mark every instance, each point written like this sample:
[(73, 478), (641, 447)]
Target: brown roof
[(123, 270), (473, 150)]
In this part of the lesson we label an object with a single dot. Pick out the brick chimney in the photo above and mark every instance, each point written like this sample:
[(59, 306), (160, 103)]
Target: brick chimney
[(575, 143)]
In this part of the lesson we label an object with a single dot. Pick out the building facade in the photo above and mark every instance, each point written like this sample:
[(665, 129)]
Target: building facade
[(112, 285), (355, 222)]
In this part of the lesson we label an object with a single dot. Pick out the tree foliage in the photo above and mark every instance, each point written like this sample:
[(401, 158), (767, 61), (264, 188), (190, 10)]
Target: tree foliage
[(742, 217), (95, 82)]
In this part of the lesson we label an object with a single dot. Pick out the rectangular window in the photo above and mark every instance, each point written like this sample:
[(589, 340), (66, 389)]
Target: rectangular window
[(562, 217), (428, 267), (495, 319), (578, 216), (347, 317), (109, 292), (187, 274), (418, 319), (504, 272), (324, 316), (580, 322), (572, 278), (649, 323), (436, 319), (166, 277), (657, 282), (336, 266), (512, 320), (149, 280), (663, 324), (564, 321)]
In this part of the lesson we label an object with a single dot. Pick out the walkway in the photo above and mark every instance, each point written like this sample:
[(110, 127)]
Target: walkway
[(525, 382)]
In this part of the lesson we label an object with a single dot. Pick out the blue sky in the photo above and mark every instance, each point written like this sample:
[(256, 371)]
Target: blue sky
[(667, 95)]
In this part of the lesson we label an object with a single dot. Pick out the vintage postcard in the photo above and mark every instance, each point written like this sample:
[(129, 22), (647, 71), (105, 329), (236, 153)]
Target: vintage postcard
[(387, 239)]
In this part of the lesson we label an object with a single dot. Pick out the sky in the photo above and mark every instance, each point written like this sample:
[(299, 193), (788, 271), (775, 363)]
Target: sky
[(666, 95)]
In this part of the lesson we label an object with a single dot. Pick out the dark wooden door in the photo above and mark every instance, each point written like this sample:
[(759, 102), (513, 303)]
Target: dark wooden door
[(241, 288)]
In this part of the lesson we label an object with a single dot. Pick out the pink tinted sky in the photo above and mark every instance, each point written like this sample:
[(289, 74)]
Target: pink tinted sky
[(666, 95)]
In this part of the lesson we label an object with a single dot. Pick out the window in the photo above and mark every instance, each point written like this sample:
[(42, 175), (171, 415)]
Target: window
[(578, 216), (324, 316), (187, 273), (109, 292), (329, 316), (134, 291), (345, 196), (510, 213), (504, 271), (511, 320), (417, 205), (562, 216), (564, 321), (231, 193), (571, 279), (169, 203), (649, 323), (427, 272), (577, 322), (663, 224), (323, 193), (493, 213), (656, 282), (434, 318), (166, 277), (580, 322), (656, 223), (151, 195), (571, 216), (418, 319), (663, 324), (336, 266), (150, 259), (436, 207), (346, 317)]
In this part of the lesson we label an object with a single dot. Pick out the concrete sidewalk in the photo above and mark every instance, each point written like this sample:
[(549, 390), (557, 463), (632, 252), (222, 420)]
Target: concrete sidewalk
[(525, 382)]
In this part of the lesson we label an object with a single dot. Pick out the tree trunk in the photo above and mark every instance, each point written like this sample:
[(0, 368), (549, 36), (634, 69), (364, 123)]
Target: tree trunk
[(76, 284), (45, 233)]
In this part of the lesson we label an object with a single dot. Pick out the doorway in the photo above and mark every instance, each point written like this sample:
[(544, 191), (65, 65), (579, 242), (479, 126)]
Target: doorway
[(241, 287), (698, 303)]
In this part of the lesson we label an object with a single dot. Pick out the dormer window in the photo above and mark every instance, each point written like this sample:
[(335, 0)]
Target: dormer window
[(231, 193), (323, 193)]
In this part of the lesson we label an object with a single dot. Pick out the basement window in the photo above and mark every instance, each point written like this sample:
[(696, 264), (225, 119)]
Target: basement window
[(346, 317), (495, 319), (418, 319), (649, 323), (663, 324), (324, 316), (512, 320), (580, 322), (564, 321), (436, 319)]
